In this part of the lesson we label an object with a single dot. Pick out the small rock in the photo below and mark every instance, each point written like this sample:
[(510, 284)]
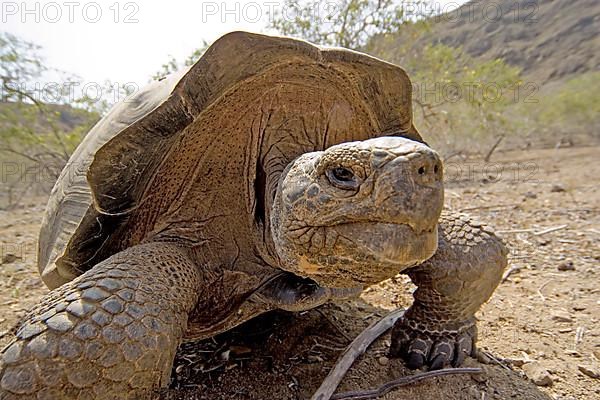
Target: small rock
[(561, 316), (483, 358), (225, 355), (239, 350), (518, 362), (383, 360), (481, 377), (566, 266), (557, 188), (589, 371), (530, 195), (544, 242), (579, 308), (9, 258), (537, 374)]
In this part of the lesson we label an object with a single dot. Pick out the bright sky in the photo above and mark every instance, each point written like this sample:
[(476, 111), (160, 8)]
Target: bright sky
[(128, 41)]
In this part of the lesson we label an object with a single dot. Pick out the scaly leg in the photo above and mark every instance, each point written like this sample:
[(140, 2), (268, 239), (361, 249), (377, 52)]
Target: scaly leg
[(111, 333), (439, 328)]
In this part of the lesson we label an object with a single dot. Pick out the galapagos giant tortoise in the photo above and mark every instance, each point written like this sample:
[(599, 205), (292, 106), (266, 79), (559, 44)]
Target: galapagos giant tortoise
[(271, 174)]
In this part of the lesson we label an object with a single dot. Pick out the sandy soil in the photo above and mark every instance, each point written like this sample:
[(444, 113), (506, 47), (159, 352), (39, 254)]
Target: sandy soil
[(544, 317)]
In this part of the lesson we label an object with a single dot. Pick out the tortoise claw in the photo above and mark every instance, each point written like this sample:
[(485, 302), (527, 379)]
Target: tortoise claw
[(435, 349), (465, 346), (415, 360)]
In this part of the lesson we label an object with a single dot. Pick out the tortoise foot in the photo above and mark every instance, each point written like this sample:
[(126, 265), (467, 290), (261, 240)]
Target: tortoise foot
[(110, 334), (435, 347)]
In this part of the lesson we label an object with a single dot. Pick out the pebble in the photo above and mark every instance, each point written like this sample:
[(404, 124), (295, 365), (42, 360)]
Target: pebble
[(483, 358), (561, 316), (518, 362), (566, 266), (225, 355), (240, 350), (537, 374), (589, 371), (558, 188), (573, 353), (9, 258), (383, 360), (481, 377)]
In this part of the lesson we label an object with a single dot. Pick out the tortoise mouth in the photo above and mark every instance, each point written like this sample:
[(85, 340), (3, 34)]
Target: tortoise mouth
[(397, 244), (365, 253), (394, 243)]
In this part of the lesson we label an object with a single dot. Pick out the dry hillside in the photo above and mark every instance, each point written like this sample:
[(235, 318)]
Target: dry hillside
[(548, 39)]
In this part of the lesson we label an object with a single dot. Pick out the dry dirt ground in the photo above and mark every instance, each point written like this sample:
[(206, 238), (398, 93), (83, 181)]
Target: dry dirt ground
[(543, 322)]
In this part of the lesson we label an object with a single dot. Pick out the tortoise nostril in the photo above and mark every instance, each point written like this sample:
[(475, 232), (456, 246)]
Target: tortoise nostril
[(421, 170)]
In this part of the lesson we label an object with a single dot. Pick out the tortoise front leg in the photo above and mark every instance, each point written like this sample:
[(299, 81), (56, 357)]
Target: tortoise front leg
[(111, 333), (439, 328)]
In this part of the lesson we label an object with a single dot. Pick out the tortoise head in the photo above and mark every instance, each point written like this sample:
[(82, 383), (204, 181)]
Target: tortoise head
[(358, 212)]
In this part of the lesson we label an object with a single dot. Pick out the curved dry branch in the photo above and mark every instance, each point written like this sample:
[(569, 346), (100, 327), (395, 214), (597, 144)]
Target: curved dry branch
[(356, 349), (352, 352), (403, 381)]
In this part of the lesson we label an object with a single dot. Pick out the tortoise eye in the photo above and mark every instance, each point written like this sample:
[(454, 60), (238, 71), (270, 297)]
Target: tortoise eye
[(343, 178), (343, 174)]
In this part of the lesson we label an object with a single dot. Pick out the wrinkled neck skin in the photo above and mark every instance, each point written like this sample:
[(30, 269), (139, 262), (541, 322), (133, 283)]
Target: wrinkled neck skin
[(254, 282)]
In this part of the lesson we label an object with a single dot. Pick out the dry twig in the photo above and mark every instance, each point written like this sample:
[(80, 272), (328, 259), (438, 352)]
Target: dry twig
[(553, 229), (497, 206), (539, 291), (488, 156), (517, 231), (579, 336), (494, 359), (352, 352), (404, 381), (511, 271)]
